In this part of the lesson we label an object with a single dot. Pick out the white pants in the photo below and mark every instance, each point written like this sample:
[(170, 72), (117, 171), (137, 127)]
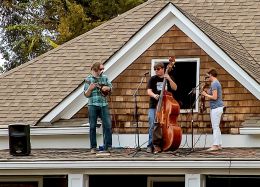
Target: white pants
[(215, 117)]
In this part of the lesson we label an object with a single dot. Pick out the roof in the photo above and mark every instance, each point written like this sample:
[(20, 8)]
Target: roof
[(127, 159), (32, 90)]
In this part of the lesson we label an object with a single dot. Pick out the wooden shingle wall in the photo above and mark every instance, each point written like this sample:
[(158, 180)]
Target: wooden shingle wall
[(240, 103)]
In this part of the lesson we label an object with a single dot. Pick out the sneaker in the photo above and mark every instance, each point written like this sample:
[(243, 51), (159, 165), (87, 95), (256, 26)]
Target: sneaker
[(102, 153), (213, 148), (157, 150), (93, 150), (149, 150)]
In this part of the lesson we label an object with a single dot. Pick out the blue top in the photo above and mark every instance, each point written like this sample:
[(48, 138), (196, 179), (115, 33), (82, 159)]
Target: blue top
[(215, 85), (96, 98)]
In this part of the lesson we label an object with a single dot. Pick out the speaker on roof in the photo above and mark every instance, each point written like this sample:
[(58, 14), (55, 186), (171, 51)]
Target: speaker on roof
[(19, 139)]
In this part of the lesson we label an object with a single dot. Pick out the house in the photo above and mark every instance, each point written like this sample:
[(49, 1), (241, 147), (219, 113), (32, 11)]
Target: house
[(47, 94)]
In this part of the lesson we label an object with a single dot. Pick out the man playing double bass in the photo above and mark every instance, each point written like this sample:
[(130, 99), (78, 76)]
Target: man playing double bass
[(154, 88)]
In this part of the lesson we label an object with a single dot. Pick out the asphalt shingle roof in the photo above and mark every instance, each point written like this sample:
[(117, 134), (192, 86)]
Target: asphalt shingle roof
[(31, 90), (185, 154)]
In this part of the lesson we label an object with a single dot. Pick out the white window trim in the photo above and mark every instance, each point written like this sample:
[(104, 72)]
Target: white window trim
[(197, 60)]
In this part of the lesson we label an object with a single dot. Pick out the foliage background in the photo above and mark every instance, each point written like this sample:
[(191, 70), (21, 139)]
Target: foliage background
[(31, 28)]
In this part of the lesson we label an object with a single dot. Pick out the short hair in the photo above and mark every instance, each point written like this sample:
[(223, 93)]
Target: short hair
[(158, 65), (213, 72), (95, 67)]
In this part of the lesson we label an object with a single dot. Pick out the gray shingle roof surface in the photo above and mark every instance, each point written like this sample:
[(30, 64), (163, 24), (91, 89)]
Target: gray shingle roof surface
[(229, 154), (30, 91)]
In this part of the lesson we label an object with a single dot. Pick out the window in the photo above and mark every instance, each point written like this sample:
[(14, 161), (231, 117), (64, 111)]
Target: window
[(186, 76), (166, 181), (232, 181), (21, 181)]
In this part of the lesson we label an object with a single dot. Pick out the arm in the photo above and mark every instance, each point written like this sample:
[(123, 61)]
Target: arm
[(172, 83), (88, 89), (151, 94), (214, 95)]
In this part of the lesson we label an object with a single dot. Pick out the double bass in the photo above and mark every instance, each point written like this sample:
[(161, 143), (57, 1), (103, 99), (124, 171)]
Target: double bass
[(167, 111)]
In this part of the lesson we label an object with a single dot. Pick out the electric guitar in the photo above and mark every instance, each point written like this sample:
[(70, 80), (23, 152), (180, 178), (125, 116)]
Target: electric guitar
[(99, 87)]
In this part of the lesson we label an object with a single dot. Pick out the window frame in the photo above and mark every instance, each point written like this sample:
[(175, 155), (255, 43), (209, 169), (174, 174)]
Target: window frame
[(186, 60)]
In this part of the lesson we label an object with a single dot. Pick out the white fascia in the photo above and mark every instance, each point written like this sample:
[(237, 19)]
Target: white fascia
[(141, 41), (131, 164), (47, 131)]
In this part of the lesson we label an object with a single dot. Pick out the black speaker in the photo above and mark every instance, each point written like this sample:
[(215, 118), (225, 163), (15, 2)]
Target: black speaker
[(19, 139)]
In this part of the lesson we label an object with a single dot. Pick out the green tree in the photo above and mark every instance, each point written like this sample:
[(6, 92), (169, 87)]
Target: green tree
[(25, 34), (103, 10), (31, 28)]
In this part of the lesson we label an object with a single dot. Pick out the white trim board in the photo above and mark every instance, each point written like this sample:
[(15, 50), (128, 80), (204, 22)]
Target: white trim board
[(250, 130), (79, 138), (47, 131), (132, 164)]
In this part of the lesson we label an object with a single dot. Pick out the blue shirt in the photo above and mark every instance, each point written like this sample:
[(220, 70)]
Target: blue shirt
[(96, 98), (215, 85)]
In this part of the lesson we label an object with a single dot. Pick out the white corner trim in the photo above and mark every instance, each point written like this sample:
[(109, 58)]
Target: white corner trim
[(140, 42)]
